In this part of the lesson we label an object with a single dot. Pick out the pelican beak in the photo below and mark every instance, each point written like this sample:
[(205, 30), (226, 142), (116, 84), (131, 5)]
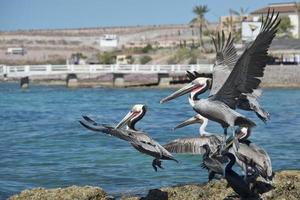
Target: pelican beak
[(189, 121), (125, 120), (186, 89)]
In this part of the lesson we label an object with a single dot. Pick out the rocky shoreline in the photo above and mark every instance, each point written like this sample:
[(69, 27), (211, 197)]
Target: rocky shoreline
[(286, 185)]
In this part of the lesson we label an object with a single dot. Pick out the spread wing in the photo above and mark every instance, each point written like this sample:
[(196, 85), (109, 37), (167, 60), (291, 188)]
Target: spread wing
[(138, 139), (128, 135), (193, 145), (250, 65), (226, 57)]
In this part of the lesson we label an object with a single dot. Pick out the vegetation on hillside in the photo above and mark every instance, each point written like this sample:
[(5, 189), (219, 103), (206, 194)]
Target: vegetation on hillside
[(145, 59), (107, 58), (184, 54)]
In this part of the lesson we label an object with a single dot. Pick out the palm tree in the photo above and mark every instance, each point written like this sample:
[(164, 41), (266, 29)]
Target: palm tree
[(200, 12), (298, 13)]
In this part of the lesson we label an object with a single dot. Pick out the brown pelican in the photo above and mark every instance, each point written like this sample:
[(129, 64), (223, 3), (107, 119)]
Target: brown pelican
[(243, 79), (253, 159), (248, 102), (138, 139), (195, 145), (226, 58)]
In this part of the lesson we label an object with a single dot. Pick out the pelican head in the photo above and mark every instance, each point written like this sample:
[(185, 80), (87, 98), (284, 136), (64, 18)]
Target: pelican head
[(242, 133), (196, 87), (193, 120), (136, 113)]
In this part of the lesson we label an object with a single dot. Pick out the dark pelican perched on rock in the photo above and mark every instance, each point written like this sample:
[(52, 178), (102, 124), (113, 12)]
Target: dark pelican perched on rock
[(234, 180), (243, 79), (138, 139), (212, 163)]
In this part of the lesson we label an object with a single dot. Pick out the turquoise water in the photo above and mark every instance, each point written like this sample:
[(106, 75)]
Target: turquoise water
[(43, 145)]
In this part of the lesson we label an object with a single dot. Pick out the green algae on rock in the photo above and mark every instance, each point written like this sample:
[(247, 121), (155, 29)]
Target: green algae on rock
[(69, 193), (286, 185)]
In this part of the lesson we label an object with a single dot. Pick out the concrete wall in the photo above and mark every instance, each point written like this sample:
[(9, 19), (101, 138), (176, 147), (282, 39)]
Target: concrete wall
[(282, 76), (275, 76)]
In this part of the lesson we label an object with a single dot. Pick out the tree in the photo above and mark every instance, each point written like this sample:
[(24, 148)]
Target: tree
[(145, 59), (298, 13), (147, 48), (200, 12), (107, 58), (285, 25)]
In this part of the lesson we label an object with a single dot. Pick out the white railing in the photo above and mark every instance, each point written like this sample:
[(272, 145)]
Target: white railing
[(44, 70)]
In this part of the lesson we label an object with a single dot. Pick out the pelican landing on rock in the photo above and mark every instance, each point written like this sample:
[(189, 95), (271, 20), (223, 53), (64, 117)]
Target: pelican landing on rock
[(195, 145), (138, 139), (253, 159)]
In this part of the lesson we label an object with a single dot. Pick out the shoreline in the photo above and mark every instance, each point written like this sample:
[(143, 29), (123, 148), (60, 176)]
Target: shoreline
[(286, 185), (90, 84)]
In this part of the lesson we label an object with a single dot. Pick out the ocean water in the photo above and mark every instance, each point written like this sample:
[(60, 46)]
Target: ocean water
[(43, 145)]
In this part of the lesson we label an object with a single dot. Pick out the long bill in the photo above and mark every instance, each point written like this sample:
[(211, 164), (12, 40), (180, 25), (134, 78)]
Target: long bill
[(186, 89), (125, 120), (192, 120)]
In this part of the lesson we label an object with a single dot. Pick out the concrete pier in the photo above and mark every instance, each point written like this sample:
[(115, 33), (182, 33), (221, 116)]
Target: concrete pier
[(72, 81), (131, 75), (118, 80), (164, 80), (24, 82)]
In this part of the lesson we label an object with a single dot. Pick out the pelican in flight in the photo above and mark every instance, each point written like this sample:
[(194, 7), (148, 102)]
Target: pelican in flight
[(141, 141), (195, 145), (248, 102), (243, 79)]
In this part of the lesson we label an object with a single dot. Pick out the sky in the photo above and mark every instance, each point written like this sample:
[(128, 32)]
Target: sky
[(53, 14)]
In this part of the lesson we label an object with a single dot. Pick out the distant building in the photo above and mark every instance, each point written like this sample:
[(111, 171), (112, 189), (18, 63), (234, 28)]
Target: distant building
[(232, 23), (109, 41), (289, 9), (16, 51), (250, 30)]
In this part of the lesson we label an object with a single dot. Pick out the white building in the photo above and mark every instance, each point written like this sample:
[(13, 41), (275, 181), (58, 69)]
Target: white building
[(289, 9), (16, 50), (109, 40), (250, 30)]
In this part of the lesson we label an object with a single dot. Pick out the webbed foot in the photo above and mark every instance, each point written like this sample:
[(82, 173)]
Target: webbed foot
[(156, 162)]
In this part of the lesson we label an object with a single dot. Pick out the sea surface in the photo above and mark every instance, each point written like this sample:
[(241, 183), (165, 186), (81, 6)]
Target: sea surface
[(43, 145)]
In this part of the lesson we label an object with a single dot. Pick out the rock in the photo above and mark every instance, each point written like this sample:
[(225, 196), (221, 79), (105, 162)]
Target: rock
[(286, 185), (69, 193)]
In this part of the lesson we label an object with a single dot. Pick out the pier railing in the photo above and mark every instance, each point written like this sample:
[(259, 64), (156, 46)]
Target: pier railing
[(44, 70)]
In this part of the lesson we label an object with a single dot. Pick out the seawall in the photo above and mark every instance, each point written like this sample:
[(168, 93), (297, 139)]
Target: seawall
[(275, 76)]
